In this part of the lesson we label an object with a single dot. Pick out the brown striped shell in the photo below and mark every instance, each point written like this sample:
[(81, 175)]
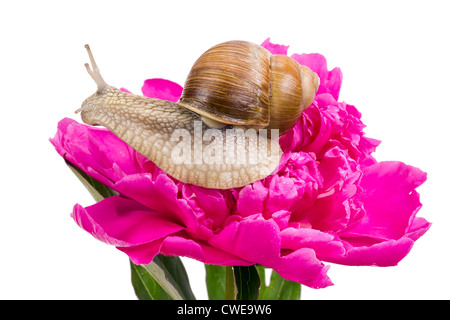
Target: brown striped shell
[(241, 83)]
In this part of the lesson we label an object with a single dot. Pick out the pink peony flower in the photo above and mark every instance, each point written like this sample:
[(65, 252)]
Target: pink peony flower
[(328, 201)]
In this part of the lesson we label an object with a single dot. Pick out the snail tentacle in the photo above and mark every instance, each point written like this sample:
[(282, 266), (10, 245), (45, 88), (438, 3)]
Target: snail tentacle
[(95, 71)]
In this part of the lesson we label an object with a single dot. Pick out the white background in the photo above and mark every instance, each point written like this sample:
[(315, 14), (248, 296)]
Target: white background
[(395, 60)]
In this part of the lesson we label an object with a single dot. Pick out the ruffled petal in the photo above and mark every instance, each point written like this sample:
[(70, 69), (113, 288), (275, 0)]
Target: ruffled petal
[(160, 193), (282, 194), (390, 200), (97, 151), (214, 205), (417, 228), (250, 199), (383, 254), (180, 245), (123, 222), (303, 266), (243, 239), (324, 244), (386, 233), (335, 208)]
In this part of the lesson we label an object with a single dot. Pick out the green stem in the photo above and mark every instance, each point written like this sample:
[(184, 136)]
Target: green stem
[(230, 289)]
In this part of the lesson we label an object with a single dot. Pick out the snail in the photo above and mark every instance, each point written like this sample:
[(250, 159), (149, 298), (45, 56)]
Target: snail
[(233, 90)]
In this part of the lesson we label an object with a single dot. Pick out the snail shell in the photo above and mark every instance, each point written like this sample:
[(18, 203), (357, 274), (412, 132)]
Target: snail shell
[(241, 83)]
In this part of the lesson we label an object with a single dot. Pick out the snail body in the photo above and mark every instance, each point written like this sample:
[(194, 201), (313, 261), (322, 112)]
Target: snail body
[(237, 88)]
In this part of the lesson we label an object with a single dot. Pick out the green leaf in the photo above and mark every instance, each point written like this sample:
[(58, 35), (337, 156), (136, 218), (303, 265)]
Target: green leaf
[(279, 288), (215, 281), (230, 284), (262, 277), (145, 287), (170, 273), (164, 277), (248, 282), (97, 189)]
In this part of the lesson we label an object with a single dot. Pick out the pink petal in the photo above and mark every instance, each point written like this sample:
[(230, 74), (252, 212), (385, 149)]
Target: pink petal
[(122, 222), (251, 199), (383, 254), (243, 239), (216, 204), (418, 228), (275, 48), (179, 245), (324, 244), (58, 141), (96, 151), (334, 209), (282, 194), (160, 193), (315, 61), (111, 154), (330, 81), (281, 218), (390, 200), (367, 147), (125, 90), (319, 129), (144, 253), (162, 89), (333, 84), (302, 169), (303, 266)]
